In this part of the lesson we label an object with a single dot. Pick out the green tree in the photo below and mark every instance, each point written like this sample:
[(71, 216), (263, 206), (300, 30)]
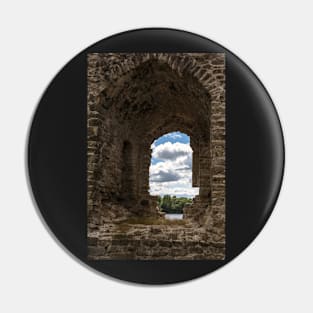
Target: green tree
[(159, 201), (166, 204), (173, 204)]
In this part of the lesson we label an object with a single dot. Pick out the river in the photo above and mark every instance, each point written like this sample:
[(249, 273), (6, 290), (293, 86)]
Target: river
[(174, 216)]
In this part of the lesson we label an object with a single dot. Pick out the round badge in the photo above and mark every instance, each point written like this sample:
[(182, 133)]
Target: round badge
[(156, 156)]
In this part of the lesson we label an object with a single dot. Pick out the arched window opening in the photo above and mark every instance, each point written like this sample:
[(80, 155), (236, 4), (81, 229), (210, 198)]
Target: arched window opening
[(170, 173)]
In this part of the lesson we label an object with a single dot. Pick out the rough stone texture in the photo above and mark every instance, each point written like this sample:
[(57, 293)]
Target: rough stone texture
[(157, 242), (132, 100)]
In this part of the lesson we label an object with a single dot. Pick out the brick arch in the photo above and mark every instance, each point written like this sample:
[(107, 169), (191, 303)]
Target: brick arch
[(172, 125), (209, 72), (118, 113)]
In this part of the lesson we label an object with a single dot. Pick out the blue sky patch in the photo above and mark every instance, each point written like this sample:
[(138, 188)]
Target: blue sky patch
[(170, 137), (170, 170)]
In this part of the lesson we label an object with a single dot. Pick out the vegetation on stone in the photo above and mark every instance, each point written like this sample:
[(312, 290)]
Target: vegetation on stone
[(173, 204)]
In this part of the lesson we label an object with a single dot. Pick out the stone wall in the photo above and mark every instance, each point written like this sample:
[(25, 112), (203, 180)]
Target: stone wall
[(134, 99), (158, 243)]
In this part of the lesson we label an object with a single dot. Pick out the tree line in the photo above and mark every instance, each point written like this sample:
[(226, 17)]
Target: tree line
[(170, 204)]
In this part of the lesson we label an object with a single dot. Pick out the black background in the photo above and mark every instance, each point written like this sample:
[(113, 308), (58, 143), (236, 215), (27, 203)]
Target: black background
[(57, 156)]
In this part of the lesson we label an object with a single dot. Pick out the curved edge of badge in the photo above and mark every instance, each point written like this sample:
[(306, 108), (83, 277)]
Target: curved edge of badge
[(34, 192)]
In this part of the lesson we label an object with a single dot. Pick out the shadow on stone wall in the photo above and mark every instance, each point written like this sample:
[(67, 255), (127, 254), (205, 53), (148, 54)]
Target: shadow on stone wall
[(132, 100)]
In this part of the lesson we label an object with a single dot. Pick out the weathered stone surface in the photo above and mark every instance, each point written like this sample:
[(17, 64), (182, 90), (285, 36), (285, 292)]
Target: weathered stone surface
[(132, 100), (176, 242)]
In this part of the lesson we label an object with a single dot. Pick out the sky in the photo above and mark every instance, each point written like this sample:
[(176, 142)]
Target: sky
[(171, 166)]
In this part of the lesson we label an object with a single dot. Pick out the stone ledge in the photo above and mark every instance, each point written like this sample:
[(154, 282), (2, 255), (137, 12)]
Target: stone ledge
[(156, 250)]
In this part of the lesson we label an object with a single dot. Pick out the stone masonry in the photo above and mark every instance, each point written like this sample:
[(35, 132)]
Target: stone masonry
[(134, 99)]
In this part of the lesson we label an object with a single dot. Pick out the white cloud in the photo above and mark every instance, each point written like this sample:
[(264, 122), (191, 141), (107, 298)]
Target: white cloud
[(174, 189), (162, 172), (171, 151), (172, 174)]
